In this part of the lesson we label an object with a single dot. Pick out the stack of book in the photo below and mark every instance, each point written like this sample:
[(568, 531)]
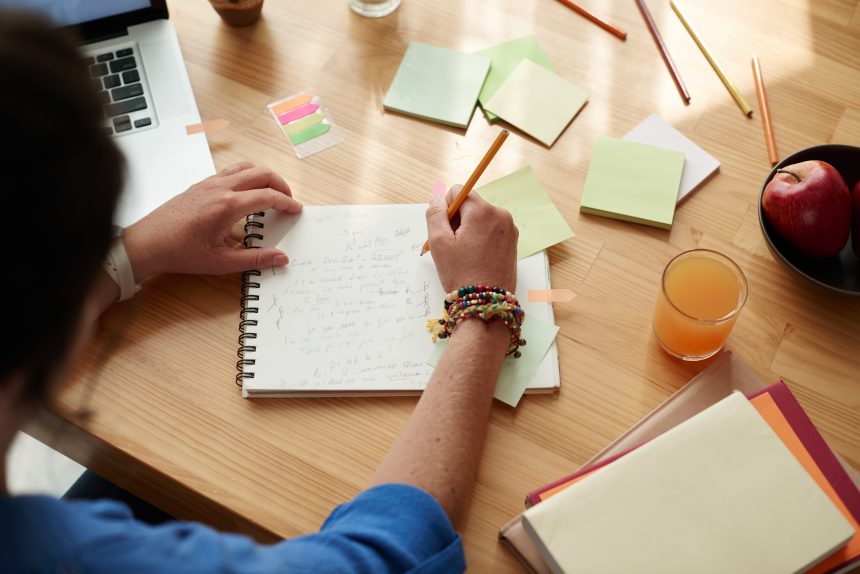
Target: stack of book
[(726, 476)]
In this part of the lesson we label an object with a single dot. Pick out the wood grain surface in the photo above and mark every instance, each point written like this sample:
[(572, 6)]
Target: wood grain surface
[(152, 405)]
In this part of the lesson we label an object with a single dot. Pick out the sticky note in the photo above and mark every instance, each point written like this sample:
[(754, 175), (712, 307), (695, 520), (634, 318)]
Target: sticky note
[(537, 218), (537, 101), (699, 165), (309, 134), (303, 124), (306, 123), (633, 182), (505, 58), (437, 84), (297, 113), (293, 102), (207, 127), (516, 373)]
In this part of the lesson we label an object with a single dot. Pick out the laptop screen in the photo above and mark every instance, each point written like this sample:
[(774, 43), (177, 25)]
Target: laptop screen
[(70, 12)]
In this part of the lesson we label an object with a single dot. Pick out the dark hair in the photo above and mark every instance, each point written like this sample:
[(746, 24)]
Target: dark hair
[(60, 177)]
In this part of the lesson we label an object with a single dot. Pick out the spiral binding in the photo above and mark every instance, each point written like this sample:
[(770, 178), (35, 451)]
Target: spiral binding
[(248, 299)]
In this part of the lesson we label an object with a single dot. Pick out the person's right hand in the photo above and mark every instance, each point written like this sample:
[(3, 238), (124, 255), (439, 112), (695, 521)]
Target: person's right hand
[(481, 249)]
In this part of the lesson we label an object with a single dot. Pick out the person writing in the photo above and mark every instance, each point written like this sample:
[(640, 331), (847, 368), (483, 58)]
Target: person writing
[(66, 169)]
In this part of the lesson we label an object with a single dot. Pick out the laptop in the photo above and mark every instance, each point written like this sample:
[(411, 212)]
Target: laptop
[(137, 68)]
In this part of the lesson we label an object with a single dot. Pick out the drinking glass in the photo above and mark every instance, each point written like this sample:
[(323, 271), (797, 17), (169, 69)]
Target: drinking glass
[(374, 8), (701, 293)]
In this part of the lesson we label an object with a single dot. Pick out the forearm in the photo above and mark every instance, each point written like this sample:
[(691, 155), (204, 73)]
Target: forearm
[(440, 446), (105, 291)]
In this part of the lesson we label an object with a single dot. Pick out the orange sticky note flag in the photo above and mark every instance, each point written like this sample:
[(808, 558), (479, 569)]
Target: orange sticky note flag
[(294, 102), (209, 126)]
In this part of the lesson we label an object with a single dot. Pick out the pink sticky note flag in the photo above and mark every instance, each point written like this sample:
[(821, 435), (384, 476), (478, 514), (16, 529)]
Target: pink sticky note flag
[(297, 113)]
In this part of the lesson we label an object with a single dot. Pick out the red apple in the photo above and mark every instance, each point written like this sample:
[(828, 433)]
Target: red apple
[(809, 205), (855, 232)]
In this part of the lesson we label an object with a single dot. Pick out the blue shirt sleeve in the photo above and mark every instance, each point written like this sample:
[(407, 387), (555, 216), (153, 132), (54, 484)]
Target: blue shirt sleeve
[(388, 528)]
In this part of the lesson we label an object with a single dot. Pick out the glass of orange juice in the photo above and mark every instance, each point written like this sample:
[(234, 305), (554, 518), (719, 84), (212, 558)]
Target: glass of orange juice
[(701, 294)]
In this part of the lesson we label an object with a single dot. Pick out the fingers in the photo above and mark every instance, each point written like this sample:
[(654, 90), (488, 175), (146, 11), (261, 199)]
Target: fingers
[(257, 177), (438, 226), (474, 210), (235, 168), (452, 193), (254, 200), (236, 260)]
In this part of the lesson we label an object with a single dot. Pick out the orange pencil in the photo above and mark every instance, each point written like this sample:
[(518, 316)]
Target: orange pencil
[(765, 112), (473, 179), (602, 23)]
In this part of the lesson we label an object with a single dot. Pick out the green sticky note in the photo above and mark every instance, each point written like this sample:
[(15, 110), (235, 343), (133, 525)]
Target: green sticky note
[(633, 182), (309, 133), (303, 124), (537, 101), (505, 58), (437, 84), (539, 222), (516, 373)]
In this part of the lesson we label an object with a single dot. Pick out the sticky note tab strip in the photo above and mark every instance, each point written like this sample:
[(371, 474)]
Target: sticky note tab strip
[(297, 113), (286, 105), (206, 127), (303, 124), (309, 134), (306, 123)]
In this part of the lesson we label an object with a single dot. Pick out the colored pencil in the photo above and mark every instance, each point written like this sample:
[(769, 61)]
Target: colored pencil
[(742, 103), (473, 179), (664, 52), (765, 112), (602, 23)]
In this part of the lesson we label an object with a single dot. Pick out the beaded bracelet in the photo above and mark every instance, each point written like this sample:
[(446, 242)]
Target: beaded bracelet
[(484, 302)]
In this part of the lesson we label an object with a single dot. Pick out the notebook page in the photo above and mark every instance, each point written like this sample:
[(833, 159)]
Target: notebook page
[(348, 314)]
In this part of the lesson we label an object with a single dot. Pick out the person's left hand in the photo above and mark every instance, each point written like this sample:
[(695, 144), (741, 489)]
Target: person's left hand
[(191, 232)]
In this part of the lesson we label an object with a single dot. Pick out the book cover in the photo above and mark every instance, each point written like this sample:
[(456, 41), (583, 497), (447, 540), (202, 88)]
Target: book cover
[(725, 463), (725, 374)]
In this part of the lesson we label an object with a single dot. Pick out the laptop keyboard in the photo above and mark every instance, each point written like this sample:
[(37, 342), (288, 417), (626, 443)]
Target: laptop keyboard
[(116, 79)]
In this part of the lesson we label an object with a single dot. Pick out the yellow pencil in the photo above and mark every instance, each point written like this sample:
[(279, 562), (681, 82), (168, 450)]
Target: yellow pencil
[(473, 179), (742, 103)]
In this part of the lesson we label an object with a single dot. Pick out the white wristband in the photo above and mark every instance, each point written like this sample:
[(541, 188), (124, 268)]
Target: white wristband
[(118, 267)]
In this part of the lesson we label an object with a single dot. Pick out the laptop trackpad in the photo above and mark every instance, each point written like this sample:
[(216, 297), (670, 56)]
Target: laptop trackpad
[(161, 63)]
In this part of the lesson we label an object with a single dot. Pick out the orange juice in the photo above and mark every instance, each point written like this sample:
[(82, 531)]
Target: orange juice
[(701, 294)]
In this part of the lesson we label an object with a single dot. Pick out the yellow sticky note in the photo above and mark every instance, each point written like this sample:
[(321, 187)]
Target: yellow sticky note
[(539, 222), (537, 101), (301, 125), (516, 373)]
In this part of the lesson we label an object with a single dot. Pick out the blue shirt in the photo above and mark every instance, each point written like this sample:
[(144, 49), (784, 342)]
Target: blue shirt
[(388, 528)]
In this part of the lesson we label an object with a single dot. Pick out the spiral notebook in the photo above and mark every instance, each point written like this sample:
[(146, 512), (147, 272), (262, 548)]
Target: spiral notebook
[(348, 315)]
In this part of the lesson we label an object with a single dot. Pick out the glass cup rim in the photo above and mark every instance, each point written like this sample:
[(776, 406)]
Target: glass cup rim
[(735, 266)]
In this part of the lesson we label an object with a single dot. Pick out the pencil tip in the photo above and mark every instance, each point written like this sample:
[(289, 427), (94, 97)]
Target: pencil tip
[(423, 251)]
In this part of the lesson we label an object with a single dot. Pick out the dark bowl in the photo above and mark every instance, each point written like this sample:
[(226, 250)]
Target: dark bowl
[(842, 272)]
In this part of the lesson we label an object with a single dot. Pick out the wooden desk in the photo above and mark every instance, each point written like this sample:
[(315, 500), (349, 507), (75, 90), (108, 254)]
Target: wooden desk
[(167, 419)]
